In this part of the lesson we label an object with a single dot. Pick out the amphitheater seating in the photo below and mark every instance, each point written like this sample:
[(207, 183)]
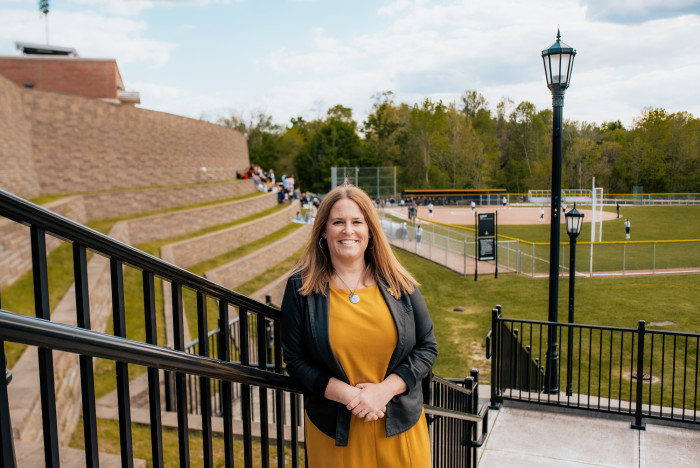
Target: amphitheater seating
[(136, 230), (243, 269)]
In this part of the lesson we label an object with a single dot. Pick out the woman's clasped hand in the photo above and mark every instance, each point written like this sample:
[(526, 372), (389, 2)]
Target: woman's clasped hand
[(370, 402)]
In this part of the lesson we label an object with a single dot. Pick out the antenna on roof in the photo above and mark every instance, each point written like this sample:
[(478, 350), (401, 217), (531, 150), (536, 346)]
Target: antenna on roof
[(44, 8)]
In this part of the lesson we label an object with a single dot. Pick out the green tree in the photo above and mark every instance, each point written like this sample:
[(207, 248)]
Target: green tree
[(262, 135), (381, 131), (462, 159), (426, 127), (335, 143)]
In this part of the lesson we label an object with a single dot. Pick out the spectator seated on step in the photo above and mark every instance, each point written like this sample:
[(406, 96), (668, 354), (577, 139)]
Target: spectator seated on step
[(299, 219)]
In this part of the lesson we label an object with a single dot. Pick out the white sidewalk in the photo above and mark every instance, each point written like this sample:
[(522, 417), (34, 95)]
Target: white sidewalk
[(540, 437)]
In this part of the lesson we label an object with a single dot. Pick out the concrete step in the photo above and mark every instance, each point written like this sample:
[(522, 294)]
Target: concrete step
[(30, 455)]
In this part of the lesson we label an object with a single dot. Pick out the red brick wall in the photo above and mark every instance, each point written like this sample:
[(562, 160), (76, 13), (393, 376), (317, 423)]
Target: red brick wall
[(92, 78)]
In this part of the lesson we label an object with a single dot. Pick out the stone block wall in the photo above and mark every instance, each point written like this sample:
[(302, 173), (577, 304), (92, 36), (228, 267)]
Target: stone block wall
[(15, 250), (52, 143), (192, 251), (129, 203), (94, 145), (15, 247), (274, 289), (168, 225), (17, 174), (244, 269)]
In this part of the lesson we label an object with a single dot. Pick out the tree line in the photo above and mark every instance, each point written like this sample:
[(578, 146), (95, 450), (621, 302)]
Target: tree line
[(466, 144)]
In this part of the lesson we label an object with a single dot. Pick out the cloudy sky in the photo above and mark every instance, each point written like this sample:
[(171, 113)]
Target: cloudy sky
[(207, 58)]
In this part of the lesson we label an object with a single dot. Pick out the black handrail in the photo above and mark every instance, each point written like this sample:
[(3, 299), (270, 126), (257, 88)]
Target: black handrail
[(38, 332), (50, 335), (25, 212)]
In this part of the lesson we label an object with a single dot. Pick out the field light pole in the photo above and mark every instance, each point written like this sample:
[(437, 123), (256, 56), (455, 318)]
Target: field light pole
[(574, 219), (558, 62)]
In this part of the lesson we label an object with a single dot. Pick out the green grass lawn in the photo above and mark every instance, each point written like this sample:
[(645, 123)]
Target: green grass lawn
[(607, 301), (610, 301), (108, 442)]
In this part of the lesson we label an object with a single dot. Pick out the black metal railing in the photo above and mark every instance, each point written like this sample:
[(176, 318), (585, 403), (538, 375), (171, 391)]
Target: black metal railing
[(8, 372), (454, 416), (211, 362), (647, 374), (241, 366)]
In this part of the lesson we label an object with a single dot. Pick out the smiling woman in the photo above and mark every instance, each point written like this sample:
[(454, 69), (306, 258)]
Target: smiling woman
[(358, 336), (347, 236)]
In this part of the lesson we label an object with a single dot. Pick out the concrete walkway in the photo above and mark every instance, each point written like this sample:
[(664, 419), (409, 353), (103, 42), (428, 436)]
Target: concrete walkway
[(539, 437)]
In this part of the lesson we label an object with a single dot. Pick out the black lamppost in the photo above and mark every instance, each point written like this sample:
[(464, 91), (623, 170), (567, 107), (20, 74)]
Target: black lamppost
[(558, 62), (574, 219)]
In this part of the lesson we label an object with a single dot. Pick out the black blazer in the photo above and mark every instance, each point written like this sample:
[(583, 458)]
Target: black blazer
[(310, 359)]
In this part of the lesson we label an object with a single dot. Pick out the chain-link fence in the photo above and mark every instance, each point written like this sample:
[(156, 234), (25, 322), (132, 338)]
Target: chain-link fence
[(583, 198), (455, 248), (378, 182)]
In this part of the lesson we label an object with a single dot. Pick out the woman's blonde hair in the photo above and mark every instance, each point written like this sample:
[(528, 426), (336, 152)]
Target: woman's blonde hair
[(315, 263)]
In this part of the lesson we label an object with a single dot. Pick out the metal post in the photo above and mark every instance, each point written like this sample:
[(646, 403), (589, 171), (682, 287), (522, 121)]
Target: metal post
[(638, 423), (476, 247), (7, 454), (592, 225), (494, 350), (624, 257), (653, 261), (552, 356), (495, 244), (465, 257), (570, 348), (533, 259)]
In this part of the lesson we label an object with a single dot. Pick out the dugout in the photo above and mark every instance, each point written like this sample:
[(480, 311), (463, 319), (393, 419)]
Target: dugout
[(441, 197)]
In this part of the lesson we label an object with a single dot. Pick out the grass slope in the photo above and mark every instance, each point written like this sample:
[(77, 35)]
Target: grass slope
[(616, 301)]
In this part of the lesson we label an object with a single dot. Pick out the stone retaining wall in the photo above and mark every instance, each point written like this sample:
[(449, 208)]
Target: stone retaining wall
[(17, 172), (55, 143), (192, 251), (15, 245), (167, 225), (274, 289), (15, 249), (130, 203), (233, 274)]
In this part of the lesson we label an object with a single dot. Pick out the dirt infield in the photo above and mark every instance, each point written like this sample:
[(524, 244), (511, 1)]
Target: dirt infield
[(511, 215)]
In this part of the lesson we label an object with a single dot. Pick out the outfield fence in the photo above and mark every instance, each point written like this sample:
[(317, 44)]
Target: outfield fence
[(454, 247), (583, 197)]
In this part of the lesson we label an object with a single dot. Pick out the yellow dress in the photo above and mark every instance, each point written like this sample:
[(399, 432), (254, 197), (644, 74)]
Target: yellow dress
[(363, 337)]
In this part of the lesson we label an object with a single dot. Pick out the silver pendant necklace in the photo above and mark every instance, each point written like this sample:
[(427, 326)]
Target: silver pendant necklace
[(354, 298)]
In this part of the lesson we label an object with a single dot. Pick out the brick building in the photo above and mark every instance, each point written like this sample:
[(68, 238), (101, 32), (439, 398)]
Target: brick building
[(61, 70)]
